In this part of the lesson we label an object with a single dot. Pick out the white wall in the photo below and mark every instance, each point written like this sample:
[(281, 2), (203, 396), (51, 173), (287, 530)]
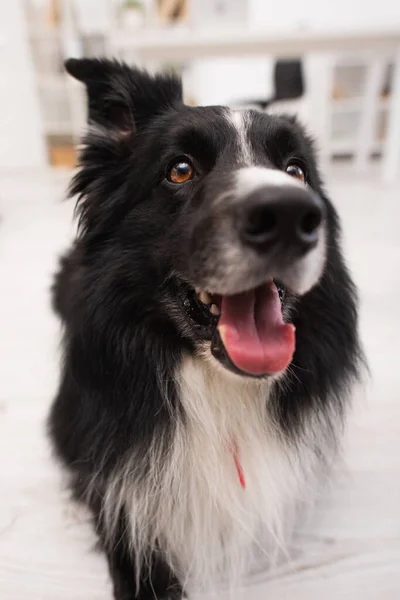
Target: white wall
[(21, 141), (270, 15), (226, 81)]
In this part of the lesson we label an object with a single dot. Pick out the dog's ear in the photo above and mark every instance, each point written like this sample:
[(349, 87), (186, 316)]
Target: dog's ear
[(123, 98)]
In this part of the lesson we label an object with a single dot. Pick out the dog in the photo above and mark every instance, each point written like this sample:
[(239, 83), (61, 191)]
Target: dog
[(210, 332)]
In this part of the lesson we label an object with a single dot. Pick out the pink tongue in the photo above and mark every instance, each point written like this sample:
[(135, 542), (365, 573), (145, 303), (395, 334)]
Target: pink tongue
[(253, 332)]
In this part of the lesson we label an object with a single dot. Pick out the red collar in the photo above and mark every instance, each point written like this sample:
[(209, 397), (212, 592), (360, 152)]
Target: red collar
[(239, 468)]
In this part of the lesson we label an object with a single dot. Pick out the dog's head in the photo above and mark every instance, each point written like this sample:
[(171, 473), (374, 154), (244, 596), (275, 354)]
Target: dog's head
[(206, 218)]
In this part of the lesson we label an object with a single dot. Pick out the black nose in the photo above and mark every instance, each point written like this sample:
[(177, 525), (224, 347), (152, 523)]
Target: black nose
[(289, 215)]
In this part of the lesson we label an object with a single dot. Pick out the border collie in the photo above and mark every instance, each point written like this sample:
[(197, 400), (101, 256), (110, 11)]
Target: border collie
[(210, 331)]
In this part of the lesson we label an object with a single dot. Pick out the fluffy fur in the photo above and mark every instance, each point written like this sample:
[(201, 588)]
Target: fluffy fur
[(147, 422)]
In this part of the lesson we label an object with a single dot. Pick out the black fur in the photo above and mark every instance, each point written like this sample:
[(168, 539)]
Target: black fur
[(118, 286)]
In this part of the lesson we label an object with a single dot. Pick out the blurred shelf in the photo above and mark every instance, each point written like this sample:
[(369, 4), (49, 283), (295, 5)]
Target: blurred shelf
[(345, 105), (353, 60), (349, 105), (348, 145)]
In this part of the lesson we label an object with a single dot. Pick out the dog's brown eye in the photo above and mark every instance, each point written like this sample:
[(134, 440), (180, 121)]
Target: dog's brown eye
[(296, 171), (181, 172)]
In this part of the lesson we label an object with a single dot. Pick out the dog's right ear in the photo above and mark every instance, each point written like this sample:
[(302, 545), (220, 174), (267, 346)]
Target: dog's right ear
[(122, 98)]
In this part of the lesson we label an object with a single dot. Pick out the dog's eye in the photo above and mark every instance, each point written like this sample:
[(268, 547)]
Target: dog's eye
[(295, 170), (181, 172)]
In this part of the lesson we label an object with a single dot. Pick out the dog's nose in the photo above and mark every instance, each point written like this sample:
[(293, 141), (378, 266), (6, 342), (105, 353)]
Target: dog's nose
[(287, 215)]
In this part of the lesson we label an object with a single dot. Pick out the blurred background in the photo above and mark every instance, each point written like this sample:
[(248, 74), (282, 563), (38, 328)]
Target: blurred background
[(335, 64), (227, 52)]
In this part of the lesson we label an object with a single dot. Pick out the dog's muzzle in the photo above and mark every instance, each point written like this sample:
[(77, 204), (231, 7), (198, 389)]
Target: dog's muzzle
[(265, 232)]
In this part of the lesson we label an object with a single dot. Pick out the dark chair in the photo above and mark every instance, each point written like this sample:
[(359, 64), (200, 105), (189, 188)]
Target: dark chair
[(288, 84)]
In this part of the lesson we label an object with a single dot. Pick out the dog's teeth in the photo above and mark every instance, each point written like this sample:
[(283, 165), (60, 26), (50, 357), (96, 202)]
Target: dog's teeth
[(205, 298), (214, 310)]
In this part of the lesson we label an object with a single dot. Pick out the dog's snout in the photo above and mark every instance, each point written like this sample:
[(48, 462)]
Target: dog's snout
[(285, 215)]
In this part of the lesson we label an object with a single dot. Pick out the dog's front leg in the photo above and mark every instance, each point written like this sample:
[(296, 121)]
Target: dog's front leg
[(156, 581)]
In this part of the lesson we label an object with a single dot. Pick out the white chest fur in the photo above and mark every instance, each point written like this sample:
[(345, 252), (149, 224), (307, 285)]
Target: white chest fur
[(226, 415), (192, 501)]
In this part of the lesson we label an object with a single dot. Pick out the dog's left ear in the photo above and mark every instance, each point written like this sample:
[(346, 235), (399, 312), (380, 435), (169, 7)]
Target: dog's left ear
[(123, 98)]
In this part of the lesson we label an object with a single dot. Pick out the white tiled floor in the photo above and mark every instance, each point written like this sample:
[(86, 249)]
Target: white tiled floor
[(351, 547)]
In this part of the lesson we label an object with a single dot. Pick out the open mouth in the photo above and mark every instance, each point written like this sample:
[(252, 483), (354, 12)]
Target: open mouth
[(247, 331)]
